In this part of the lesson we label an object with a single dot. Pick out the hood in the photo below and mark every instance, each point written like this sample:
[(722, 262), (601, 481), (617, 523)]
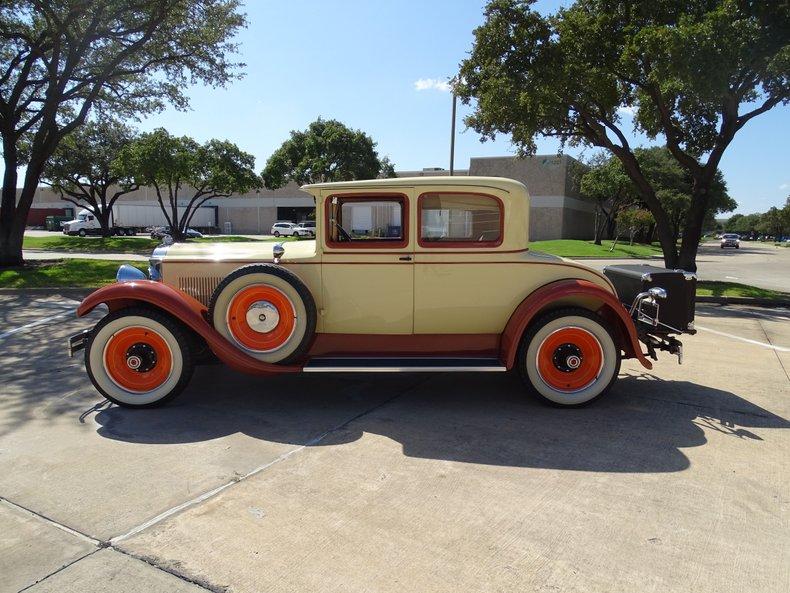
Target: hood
[(254, 251)]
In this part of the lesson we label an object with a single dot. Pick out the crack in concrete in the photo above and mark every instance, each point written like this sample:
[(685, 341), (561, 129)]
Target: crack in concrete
[(155, 563), (51, 522), (237, 479), (765, 333), (62, 568)]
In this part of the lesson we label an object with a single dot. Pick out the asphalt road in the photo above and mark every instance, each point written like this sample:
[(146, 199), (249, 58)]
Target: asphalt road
[(676, 481), (756, 264)]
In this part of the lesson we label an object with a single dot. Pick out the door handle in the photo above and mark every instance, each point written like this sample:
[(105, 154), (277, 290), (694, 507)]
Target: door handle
[(405, 258)]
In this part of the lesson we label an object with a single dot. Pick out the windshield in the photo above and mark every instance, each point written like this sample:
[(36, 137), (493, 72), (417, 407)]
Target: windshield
[(82, 217)]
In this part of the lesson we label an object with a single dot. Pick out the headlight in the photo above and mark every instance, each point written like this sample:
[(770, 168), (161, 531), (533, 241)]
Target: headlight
[(155, 263)]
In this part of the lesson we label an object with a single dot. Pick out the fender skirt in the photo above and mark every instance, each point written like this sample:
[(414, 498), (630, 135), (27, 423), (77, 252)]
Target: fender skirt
[(185, 309), (606, 304)]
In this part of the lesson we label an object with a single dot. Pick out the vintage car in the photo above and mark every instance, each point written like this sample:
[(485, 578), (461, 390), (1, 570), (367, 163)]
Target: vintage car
[(429, 274)]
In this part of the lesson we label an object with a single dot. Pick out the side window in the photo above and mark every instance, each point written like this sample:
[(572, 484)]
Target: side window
[(366, 221), (460, 220)]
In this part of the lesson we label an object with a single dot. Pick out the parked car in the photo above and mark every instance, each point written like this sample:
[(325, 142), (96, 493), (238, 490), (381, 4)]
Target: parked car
[(305, 229), (430, 274), (730, 240), (161, 231), (284, 229)]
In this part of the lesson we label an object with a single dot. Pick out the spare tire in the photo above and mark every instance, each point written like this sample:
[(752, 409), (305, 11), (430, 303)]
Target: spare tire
[(266, 310)]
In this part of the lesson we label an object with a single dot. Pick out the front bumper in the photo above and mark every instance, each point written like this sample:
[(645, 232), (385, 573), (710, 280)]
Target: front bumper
[(77, 342)]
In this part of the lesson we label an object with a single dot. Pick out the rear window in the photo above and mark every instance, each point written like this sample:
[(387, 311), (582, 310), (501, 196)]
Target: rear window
[(456, 219)]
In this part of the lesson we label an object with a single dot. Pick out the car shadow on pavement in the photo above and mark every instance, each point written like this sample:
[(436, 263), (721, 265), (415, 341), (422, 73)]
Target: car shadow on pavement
[(641, 426)]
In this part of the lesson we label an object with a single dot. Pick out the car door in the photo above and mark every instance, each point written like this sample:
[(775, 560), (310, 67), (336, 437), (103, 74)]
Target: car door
[(367, 264), (459, 287)]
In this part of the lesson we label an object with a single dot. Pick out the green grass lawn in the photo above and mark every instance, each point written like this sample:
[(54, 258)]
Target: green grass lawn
[(733, 289), (64, 273), (68, 244), (140, 245), (576, 248)]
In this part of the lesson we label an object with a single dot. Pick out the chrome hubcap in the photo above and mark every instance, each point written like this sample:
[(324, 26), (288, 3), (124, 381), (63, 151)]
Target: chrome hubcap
[(262, 317)]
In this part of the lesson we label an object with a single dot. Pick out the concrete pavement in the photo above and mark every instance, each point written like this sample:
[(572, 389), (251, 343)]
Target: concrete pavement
[(676, 481)]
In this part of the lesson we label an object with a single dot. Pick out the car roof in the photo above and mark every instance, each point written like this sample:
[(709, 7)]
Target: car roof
[(508, 185)]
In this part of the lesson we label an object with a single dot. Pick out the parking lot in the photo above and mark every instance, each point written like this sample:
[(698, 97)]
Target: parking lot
[(675, 481)]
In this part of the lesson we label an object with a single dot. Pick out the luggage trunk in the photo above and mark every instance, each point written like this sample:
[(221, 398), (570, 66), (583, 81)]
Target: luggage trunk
[(676, 311)]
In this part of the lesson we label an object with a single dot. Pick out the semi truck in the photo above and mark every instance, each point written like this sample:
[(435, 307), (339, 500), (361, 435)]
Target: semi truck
[(129, 219)]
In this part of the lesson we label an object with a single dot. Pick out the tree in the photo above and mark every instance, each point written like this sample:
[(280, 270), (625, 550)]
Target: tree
[(607, 185), (182, 170), (326, 151), (81, 168), (692, 71), (59, 61), (633, 220), (674, 188)]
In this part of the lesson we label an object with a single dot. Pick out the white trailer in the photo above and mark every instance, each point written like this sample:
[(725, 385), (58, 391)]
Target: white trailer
[(129, 219)]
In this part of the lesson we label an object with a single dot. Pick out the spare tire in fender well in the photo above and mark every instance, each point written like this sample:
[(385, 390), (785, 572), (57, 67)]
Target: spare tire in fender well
[(580, 293), (288, 281)]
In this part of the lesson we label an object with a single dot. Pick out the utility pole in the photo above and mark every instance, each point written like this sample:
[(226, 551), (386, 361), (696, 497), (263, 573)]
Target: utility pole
[(452, 137)]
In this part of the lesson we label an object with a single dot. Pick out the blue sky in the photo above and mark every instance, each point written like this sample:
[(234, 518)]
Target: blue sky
[(359, 62)]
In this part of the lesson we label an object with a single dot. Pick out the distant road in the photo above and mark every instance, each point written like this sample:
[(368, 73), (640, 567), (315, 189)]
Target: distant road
[(757, 264)]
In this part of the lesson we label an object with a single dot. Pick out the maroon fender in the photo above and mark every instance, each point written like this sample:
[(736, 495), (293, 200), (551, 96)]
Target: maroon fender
[(188, 311), (604, 302)]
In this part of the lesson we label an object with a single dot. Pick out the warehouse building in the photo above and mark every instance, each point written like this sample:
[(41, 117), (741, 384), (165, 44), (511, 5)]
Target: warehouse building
[(557, 210)]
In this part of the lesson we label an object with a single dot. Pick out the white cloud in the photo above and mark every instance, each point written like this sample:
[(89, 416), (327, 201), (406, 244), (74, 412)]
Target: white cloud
[(627, 110), (427, 84), (785, 186)]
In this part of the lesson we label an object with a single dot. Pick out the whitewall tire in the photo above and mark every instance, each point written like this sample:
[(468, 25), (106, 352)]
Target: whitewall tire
[(138, 358), (265, 310), (568, 357)]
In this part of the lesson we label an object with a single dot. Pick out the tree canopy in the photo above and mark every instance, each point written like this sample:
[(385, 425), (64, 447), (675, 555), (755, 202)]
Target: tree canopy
[(81, 168), (609, 186), (61, 60), (186, 174), (327, 150), (691, 71)]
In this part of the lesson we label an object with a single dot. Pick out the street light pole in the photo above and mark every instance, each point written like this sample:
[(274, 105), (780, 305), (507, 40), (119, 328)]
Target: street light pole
[(452, 136)]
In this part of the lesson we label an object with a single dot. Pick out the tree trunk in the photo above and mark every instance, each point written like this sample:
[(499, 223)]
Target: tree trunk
[(104, 221), (692, 228), (10, 245), (598, 227)]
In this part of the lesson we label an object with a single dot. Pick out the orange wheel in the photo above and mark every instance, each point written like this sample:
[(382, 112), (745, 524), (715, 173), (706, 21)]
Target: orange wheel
[(138, 359), (569, 359), (261, 318)]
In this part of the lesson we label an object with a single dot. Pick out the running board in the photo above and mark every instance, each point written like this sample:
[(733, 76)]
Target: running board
[(403, 365)]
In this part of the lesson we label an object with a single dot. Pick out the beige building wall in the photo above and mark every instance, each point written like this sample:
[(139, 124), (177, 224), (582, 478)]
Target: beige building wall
[(557, 210)]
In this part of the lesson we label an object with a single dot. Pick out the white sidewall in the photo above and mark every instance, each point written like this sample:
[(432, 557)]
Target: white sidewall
[(223, 302), (608, 369), (96, 360)]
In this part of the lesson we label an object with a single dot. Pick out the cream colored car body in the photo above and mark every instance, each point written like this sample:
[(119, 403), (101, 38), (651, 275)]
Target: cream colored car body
[(405, 290)]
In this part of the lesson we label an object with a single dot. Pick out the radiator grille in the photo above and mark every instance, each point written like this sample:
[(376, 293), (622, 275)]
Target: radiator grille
[(201, 287)]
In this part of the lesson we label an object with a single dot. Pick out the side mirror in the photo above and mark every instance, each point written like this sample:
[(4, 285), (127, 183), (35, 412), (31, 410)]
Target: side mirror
[(278, 250)]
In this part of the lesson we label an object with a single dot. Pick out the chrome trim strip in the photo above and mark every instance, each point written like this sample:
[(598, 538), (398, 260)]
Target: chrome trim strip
[(410, 369)]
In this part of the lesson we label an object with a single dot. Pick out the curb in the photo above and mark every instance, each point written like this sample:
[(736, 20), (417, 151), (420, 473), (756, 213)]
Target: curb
[(599, 258), (724, 300), (80, 293)]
